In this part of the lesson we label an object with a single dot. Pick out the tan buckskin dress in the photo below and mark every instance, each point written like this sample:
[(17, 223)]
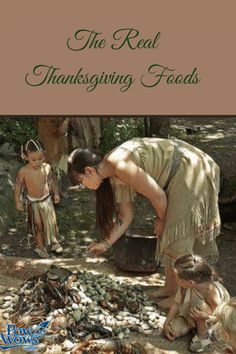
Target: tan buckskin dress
[(192, 219), (42, 211), (189, 299)]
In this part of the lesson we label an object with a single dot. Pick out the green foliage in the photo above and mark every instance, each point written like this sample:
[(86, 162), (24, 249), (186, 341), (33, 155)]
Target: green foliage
[(117, 130), (194, 138), (16, 130)]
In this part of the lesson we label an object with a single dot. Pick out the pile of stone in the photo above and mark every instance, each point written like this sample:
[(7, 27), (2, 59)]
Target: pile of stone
[(81, 306)]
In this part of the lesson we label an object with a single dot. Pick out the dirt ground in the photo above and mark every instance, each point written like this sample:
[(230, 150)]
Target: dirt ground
[(76, 217)]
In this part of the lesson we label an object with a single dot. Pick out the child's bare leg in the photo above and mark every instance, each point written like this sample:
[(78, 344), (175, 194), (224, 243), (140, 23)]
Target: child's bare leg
[(201, 324), (39, 239), (201, 329), (54, 237), (180, 327)]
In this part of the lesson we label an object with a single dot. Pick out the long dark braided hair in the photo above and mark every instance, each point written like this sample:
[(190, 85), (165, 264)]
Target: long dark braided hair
[(105, 202)]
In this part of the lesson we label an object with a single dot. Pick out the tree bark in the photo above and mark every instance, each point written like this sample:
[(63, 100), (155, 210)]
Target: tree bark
[(85, 132), (158, 123)]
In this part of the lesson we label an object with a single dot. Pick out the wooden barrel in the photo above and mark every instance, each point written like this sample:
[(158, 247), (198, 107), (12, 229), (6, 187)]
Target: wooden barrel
[(135, 251)]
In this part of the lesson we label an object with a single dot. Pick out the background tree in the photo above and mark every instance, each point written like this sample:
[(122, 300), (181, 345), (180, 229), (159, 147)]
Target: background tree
[(156, 126)]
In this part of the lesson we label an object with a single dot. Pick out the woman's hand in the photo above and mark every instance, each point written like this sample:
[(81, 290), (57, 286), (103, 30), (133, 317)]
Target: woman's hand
[(159, 227), (97, 248), (168, 331)]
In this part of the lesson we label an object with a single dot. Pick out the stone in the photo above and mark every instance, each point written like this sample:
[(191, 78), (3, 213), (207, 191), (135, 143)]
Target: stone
[(41, 348), (67, 345), (7, 150), (75, 306), (77, 315)]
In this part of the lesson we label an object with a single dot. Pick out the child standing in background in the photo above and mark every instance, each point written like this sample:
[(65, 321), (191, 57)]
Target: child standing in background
[(196, 299), (35, 178)]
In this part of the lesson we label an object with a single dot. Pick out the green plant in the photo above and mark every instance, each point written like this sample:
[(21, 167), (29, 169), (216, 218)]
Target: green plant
[(16, 130), (117, 130)]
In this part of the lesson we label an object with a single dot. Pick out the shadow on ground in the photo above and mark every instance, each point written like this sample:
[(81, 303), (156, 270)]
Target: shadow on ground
[(76, 217)]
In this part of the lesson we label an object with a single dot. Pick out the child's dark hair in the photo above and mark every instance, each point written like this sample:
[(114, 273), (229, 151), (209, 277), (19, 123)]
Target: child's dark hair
[(193, 267), (78, 160), (31, 146)]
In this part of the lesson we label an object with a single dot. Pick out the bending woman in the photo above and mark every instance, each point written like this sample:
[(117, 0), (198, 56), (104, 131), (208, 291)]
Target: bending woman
[(180, 181)]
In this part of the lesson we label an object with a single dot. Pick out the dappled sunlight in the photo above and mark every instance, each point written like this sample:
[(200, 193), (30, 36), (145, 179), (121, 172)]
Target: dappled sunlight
[(208, 126), (76, 220), (85, 263), (12, 231), (95, 260), (144, 281), (214, 136), (74, 188), (20, 263), (84, 232), (87, 239), (153, 342), (221, 128)]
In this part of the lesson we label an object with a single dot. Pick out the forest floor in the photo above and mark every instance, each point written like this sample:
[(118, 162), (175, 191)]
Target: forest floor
[(76, 218)]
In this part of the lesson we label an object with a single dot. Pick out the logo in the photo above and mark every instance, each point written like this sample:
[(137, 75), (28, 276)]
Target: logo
[(25, 338)]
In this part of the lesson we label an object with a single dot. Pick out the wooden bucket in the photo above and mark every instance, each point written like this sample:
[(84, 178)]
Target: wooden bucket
[(135, 251)]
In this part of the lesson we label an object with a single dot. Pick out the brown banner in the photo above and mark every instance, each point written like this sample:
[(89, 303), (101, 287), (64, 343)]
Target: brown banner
[(123, 58)]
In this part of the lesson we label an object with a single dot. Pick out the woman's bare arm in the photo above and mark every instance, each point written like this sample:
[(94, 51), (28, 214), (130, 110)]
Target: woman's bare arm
[(125, 217), (134, 176)]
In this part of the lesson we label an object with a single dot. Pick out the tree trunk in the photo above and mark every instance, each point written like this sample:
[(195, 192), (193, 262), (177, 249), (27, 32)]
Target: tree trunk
[(157, 124), (85, 132), (53, 140), (147, 126)]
